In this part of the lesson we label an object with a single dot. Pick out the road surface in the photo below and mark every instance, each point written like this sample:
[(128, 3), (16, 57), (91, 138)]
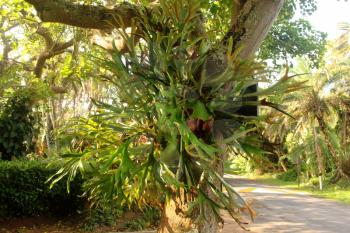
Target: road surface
[(284, 211)]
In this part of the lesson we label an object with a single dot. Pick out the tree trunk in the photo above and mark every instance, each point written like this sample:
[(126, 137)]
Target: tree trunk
[(48, 136), (174, 219), (251, 23), (299, 170), (319, 160), (255, 19), (284, 167), (345, 131)]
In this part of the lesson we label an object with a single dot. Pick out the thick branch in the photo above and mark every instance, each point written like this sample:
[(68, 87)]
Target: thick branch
[(52, 49), (5, 53), (252, 22), (46, 35), (85, 16), (6, 44), (49, 54)]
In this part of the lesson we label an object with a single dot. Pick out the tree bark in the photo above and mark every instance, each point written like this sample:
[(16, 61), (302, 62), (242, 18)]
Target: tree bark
[(51, 49), (251, 21), (85, 16), (5, 53), (319, 159), (174, 218), (6, 45)]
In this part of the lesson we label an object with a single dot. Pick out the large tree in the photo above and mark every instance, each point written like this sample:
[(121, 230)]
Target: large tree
[(251, 20), (247, 25)]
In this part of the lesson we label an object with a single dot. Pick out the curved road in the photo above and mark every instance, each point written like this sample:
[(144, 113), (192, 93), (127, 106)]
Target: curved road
[(281, 211)]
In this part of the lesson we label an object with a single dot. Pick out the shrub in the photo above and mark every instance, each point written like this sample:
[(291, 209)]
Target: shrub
[(25, 192), (18, 126), (150, 218), (290, 175), (104, 214)]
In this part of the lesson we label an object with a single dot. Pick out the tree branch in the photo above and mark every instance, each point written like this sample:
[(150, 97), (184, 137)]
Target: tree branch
[(85, 16), (251, 21), (52, 49), (5, 53), (46, 35), (6, 43)]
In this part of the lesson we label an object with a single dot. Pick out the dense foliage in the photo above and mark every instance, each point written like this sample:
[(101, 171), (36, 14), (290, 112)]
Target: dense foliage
[(313, 142), (26, 192), (168, 124), (18, 126), (291, 37), (58, 56)]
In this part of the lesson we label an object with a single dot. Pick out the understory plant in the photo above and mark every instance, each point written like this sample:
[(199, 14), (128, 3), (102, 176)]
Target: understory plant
[(19, 124), (162, 140), (25, 193)]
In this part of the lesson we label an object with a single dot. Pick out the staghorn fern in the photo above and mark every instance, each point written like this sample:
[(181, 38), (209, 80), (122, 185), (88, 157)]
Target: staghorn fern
[(162, 134)]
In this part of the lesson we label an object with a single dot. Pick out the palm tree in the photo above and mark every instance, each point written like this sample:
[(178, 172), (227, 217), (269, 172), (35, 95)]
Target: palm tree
[(321, 108)]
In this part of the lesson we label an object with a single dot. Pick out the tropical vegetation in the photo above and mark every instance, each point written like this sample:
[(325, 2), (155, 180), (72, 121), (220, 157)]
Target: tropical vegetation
[(141, 106)]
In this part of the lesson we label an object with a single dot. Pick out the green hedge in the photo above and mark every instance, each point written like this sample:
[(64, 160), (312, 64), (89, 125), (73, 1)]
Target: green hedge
[(25, 192)]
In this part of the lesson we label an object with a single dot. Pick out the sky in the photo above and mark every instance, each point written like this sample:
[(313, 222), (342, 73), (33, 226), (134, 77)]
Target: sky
[(329, 13)]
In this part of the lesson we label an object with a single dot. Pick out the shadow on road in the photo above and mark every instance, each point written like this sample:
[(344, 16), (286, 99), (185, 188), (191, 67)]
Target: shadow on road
[(279, 210)]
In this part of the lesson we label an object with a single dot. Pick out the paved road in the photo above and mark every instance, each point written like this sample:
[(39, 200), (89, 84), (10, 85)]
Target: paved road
[(283, 211)]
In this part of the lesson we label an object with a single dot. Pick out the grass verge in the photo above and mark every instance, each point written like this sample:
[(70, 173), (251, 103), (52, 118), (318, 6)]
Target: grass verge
[(339, 191)]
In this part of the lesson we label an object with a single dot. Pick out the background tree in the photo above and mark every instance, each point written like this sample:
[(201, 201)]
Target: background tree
[(318, 132)]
